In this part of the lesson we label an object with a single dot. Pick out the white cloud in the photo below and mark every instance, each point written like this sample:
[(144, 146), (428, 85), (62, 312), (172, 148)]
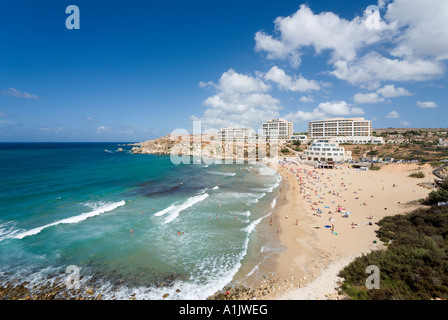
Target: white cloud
[(240, 100), (367, 98), (306, 99), (51, 130), (423, 28), (393, 115), (324, 31), (382, 3), (340, 108), (405, 123), (426, 104), (233, 82), (413, 42), (372, 69), (286, 82), (102, 129), (389, 91), (325, 109), (306, 116), (19, 94)]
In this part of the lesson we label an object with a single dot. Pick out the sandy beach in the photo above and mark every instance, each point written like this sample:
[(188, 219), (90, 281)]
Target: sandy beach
[(327, 217)]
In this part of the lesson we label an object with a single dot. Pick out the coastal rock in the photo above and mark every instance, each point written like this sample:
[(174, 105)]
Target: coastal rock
[(90, 292)]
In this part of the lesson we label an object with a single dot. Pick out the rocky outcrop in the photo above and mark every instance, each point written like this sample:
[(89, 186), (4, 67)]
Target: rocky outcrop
[(158, 146), (202, 146)]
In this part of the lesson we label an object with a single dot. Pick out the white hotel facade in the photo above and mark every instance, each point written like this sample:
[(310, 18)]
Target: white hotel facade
[(343, 130), (235, 134), (277, 130), (326, 150)]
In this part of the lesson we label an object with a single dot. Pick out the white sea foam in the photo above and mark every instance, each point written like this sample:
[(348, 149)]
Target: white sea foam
[(222, 173), (253, 270), (273, 203), (244, 213), (215, 188), (266, 171), (98, 208), (162, 212), (175, 209), (8, 230), (252, 226), (244, 196)]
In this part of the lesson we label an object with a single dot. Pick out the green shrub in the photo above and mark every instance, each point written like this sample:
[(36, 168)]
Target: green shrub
[(436, 196), (419, 174)]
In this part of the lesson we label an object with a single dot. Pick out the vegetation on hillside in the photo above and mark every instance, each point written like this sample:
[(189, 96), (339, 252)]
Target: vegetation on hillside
[(415, 264), (439, 195)]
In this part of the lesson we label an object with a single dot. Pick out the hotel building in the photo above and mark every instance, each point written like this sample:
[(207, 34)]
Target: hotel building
[(235, 134), (277, 129), (343, 130), (326, 150)]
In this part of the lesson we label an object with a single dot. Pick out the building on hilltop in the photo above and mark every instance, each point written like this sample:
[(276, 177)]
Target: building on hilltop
[(443, 142), (343, 130), (235, 134), (277, 130)]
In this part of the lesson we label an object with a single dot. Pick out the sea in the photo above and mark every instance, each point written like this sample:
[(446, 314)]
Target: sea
[(129, 224)]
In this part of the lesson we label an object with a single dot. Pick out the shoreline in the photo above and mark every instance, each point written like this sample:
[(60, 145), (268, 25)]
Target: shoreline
[(308, 268)]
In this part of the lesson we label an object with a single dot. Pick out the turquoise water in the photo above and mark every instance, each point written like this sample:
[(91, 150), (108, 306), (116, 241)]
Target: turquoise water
[(130, 222)]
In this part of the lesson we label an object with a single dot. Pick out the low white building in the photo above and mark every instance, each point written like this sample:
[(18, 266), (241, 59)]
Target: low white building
[(443, 142), (326, 150), (303, 138), (359, 140)]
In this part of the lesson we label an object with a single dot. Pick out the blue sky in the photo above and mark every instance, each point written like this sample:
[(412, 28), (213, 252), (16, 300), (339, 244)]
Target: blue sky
[(137, 70)]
